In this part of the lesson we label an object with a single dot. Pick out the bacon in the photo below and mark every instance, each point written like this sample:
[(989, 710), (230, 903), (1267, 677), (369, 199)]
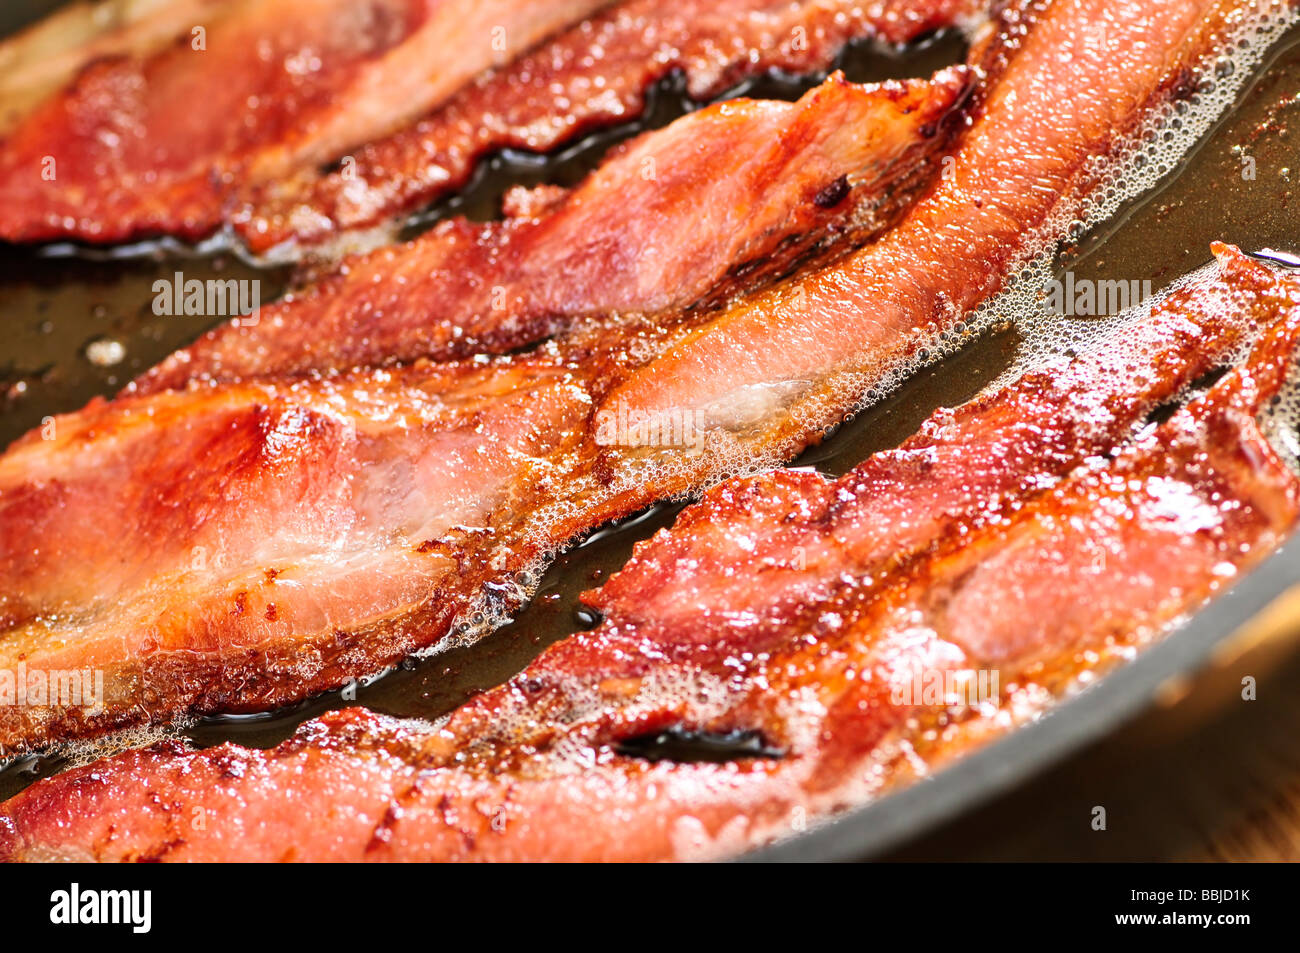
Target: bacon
[(594, 76), (967, 464), (655, 228), (123, 151), (554, 764), (42, 58), (293, 92), (1084, 78), (255, 542), (352, 520), (324, 543)]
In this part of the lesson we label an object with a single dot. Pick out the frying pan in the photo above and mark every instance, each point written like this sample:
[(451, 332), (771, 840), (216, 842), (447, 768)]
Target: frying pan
[(56, 301)]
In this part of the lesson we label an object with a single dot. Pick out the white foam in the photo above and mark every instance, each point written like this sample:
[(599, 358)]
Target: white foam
[(1280, 421)]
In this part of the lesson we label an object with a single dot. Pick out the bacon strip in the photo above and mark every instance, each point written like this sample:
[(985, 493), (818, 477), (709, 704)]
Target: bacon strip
[(594, 76), (282, 83), (748, 186), (964, 465), (1084, 77), (545, 767), (259, 541)]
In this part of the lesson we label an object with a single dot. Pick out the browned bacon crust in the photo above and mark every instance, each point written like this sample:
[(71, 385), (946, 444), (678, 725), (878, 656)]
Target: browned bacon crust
[(147, 144), (745, 187), (259, 541), (1007, 578)]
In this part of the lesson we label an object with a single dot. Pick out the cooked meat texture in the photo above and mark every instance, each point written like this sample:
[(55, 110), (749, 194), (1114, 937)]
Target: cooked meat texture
[(1035, 563), (244, 545), (48, 55), (320, 115), (268, 535), (731, 195), (152, 143), (1080, 79), (594, 76)]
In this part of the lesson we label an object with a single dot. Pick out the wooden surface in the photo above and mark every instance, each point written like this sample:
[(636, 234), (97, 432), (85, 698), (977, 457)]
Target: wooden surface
[(1203, 776)]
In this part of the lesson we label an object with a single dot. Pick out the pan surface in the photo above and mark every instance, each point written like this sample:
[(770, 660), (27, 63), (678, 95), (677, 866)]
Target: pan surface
[(61, 307)]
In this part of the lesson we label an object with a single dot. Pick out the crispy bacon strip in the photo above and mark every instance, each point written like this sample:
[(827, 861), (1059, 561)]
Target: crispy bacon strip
[(264, 540), (747, 185), (333, 533), (593, 76), (125, 151), (547, 766), (963, 465)]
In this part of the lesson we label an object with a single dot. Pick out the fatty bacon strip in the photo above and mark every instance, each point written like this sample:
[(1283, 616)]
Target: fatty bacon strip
[(1035, 532), (748, 186), (320, 115), (249, 90), (258, 541)]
